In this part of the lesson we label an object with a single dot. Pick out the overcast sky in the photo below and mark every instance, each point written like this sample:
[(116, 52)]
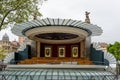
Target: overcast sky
[(104, 13)]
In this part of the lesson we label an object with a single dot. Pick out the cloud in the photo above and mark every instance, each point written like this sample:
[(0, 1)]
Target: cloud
[(104, 13)]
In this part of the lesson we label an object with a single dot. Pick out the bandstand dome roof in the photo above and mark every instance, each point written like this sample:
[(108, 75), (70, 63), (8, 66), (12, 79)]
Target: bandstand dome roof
[(56, 29)]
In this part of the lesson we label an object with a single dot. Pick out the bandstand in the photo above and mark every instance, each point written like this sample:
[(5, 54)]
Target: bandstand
[(60, 50)]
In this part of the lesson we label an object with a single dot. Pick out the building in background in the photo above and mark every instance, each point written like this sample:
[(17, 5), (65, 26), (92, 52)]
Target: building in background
[(103, 46), (7, 45), (21, 40)]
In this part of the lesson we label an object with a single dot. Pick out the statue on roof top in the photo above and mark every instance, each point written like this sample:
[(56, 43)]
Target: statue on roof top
[(87, 20)]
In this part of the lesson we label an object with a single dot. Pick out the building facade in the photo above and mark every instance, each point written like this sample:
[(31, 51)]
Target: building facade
[(8, 45), (21, 40)]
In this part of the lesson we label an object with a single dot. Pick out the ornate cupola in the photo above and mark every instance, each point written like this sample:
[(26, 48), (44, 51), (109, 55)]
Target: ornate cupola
[(5, 37)]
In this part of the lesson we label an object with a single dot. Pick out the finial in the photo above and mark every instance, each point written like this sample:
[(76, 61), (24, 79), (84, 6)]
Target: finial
[(87, 20)]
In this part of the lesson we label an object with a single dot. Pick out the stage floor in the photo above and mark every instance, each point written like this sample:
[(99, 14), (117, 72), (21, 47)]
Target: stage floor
[(55, 66)]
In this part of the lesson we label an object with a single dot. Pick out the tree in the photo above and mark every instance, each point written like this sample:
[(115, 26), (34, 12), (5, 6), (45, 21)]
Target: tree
[(17, 11), (115, 50), (2, 52), (2, 56)]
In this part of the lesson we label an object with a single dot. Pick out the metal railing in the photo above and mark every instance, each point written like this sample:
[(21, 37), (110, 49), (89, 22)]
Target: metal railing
[(109, 68), (58, 77)]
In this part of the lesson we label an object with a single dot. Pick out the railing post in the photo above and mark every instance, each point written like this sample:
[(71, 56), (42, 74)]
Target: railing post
[(16, 77), (45, 77), (3, 77), (76, 77), (31, 77)]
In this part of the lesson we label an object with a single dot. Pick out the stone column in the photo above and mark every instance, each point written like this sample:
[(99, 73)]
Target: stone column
[(87, 46), (82, 50), (38, 48)]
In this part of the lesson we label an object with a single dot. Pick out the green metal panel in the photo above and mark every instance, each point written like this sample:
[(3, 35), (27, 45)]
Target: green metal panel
[(97, 56)]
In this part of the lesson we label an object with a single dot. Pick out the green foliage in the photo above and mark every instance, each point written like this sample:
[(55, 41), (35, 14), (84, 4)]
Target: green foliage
[(2, 50), (17, 11), (2, 56), (114, 49), (2, 53)]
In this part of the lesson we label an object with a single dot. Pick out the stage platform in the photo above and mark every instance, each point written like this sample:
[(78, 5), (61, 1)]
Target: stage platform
[(55, 66)]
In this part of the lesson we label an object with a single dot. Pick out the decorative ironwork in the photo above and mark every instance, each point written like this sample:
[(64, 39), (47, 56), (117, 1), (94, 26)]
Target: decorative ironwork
[(56, 74)]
